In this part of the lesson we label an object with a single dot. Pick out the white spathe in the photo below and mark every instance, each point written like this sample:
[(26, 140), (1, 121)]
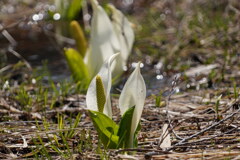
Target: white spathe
[(125, 35), (103, 39), (106, 76), (133, 94)]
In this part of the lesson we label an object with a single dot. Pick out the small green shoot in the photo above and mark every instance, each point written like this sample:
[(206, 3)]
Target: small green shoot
[(158, 100), (235, 89), (24, 97), (59, 141)]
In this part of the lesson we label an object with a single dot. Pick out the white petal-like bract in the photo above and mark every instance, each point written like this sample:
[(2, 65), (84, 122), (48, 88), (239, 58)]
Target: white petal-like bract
[(125, 35), (103, 39), (133, 94), (106, 76)]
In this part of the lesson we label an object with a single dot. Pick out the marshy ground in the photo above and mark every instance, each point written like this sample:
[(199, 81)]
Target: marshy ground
[(190, 51)]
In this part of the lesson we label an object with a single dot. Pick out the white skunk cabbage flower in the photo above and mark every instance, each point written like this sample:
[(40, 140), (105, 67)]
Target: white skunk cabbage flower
[(92, 98), (133, 94), (125, 35), (103, 39)]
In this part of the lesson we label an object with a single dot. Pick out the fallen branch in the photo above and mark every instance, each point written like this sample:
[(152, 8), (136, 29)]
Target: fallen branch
[(174, 83), (209, 138), (204, 130), (21, 58)]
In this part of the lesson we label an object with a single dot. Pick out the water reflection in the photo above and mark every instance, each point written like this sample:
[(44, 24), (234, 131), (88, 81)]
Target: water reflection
[(159, 77), (37, 17), (56, 16), (134, 65)]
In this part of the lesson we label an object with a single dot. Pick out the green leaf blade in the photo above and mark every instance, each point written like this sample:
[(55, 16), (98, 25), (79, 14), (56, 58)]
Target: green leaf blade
[(107, 129), (73, 9), (125, 129)]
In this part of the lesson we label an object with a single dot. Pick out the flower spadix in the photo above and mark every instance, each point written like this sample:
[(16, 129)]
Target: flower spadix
[(98, 93), (78, 35), (133, 94)]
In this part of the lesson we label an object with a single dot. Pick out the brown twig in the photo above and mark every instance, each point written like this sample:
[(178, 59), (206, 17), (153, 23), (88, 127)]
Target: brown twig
[(2, 28), (5, 68), (20, 57), (204, 130), (140, 150), (174, 83), (209, 138), (4, 104)]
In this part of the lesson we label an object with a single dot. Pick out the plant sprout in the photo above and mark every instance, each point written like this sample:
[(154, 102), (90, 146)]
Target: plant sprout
[(133, 94), (131, 104), (103, 78)]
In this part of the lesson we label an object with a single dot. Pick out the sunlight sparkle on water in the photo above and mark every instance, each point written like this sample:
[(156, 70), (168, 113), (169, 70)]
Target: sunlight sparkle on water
[(134, 65), (56, 16), (159, 77), (37, 17), (177, 90)]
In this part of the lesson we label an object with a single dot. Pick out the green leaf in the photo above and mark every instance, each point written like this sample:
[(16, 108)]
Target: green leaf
[(107, 129), (135, 143), (77, 66), (74, 8), (125, 129)]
